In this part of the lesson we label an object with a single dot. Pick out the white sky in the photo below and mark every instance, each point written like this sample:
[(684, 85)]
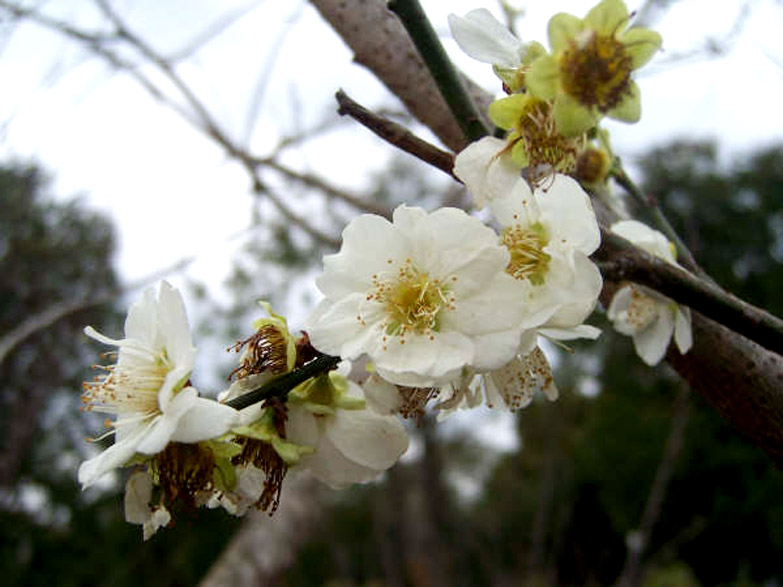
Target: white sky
[(173, 194)]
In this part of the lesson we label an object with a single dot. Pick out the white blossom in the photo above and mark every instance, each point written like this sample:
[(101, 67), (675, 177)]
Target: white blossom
[(550, 233), (647, 316), (147, 387), (423, 297)]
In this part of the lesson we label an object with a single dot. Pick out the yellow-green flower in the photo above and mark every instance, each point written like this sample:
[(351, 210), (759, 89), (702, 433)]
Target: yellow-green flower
[(533, 135), (588, 73)]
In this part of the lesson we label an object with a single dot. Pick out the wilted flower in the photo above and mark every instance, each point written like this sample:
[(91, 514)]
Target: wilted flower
[(423, 296), (588, 73), (146, 387), (649, 317)]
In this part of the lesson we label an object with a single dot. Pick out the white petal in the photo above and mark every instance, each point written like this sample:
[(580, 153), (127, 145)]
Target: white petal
[(573, 290), (368, 241), (330, 466), (496, 349), (367, 438), (483, 37), (651, 343), (683, 335), (159, 518), (174, 328), (486, 170), (516, 206), (499, 305), (581, 331), (421, 362), (645, 238), (382, 397), (142, 320), (138, 492), (206, 419), (335, 329), (568, 215), (164, 426), (115, 456)]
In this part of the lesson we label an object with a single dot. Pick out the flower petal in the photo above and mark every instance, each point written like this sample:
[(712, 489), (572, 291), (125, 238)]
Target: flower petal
[(483, 37), (206, 419), (651, 342), (683, 334), (486, 170), (367, 438)]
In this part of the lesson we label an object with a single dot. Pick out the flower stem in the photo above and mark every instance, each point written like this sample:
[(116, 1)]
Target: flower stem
[(285, 383), (443, 71)]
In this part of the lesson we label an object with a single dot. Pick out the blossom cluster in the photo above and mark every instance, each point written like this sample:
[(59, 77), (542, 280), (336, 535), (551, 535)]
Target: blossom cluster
[(202, 452), (441, 306), (556, 99)]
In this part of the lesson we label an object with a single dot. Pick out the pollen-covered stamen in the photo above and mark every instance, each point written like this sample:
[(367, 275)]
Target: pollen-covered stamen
[(184, 471), (596, 70), (413, 301), (413, 400), (266, 350), (642, 309), (543, 143), (130, 385), (526, 245)]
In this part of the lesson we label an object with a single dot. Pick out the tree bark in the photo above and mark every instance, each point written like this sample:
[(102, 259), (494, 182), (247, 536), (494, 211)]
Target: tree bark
[(742, 381)]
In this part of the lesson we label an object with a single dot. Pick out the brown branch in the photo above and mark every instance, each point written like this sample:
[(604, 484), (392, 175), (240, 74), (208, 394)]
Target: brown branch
[(624, 262), (379, 43), (396, 134)]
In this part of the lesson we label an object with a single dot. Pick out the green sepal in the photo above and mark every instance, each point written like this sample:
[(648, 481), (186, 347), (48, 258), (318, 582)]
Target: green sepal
[(290, 452), (640, 44), (571, 117), (607, 17), (519, 154), (505, 112), (543, 78), (630, 109), (561, 29)]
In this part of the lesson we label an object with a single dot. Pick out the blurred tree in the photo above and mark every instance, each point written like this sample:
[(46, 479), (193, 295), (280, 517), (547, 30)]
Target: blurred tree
[(53, 253)]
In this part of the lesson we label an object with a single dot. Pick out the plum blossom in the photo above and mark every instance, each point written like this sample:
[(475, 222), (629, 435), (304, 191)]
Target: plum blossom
[(647, 316), (147, 387), (138, 506), (423, 297)]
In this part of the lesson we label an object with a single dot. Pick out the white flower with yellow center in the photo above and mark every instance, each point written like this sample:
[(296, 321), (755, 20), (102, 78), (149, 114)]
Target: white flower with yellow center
[(644, 314), (549, 233), (146, 387), (423, 297)]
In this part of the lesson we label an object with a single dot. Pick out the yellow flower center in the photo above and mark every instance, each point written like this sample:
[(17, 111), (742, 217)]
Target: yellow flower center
[(526, 245), (642, 309), (413, 301), (129, 386), (543, 144), (596, 71)]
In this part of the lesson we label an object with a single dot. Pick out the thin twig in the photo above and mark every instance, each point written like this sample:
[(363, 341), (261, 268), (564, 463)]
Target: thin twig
[(328, 189), (285, 383), (396, 134)]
